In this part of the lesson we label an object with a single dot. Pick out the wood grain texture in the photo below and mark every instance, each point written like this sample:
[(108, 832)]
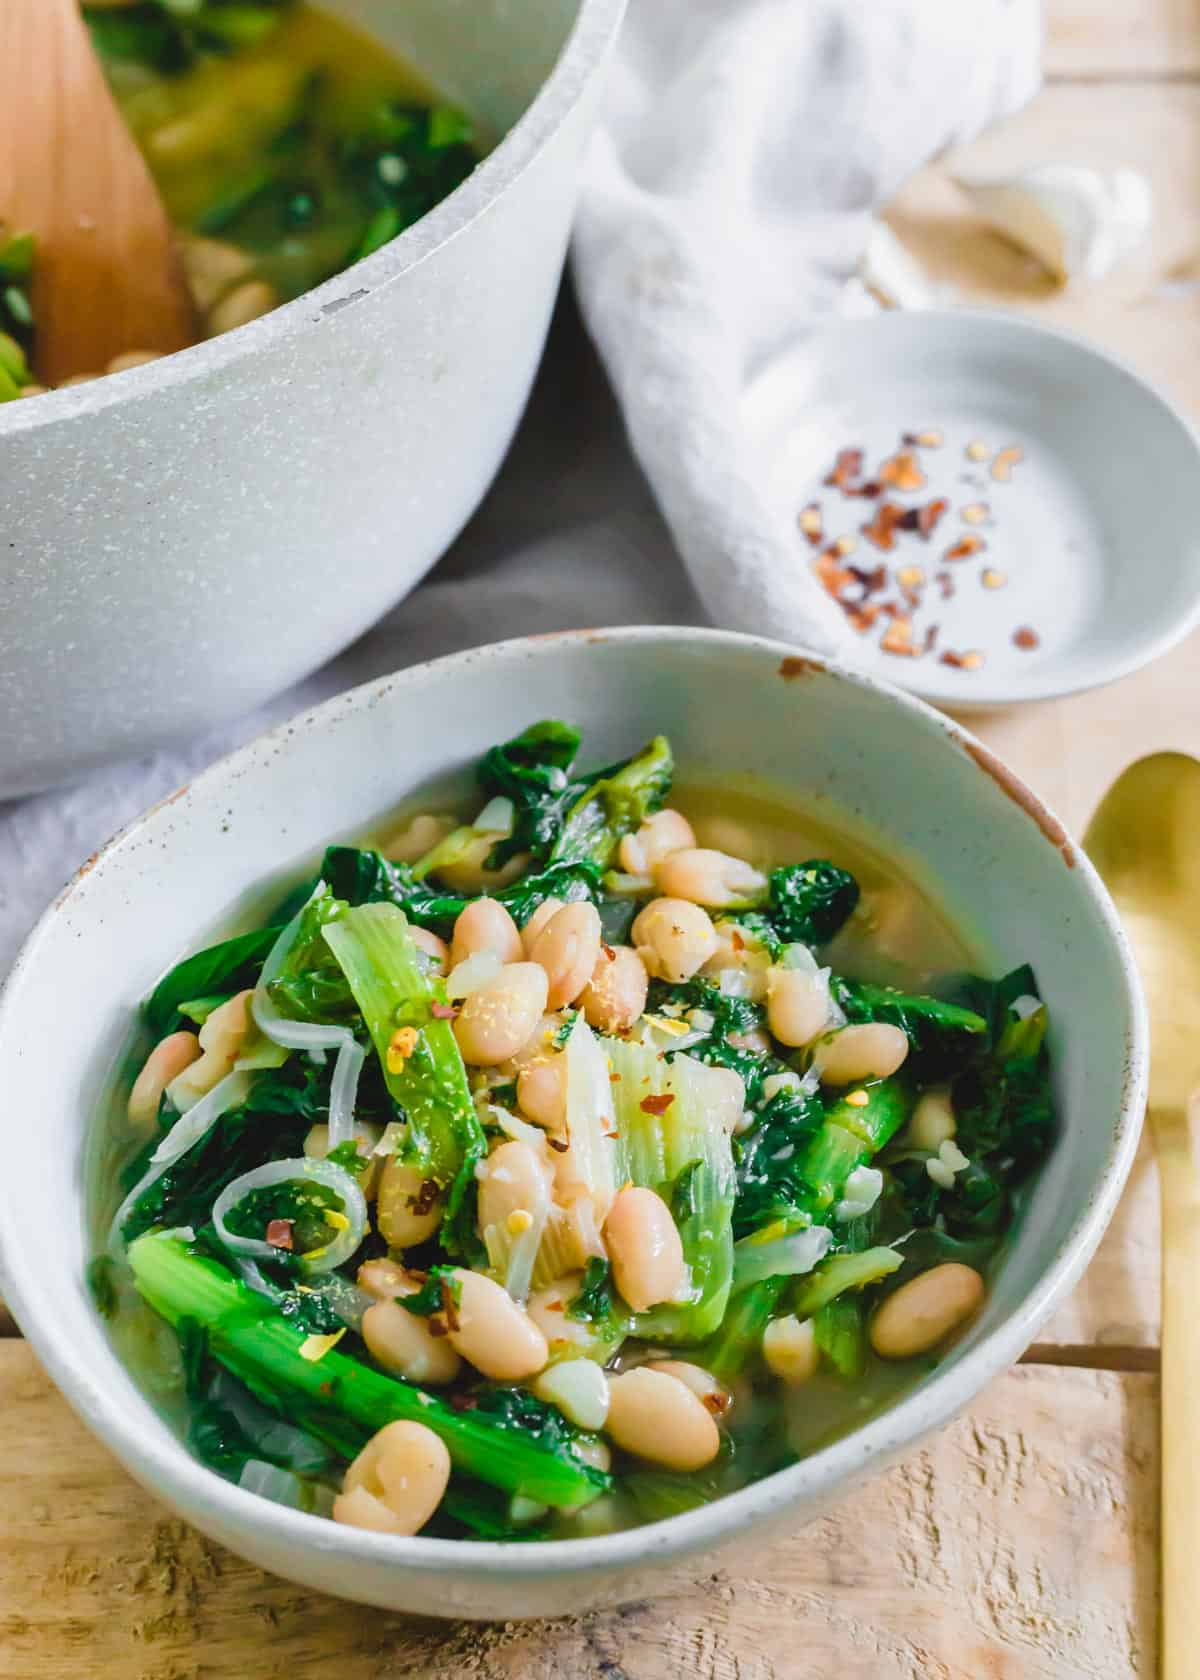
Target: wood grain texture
[(1019, 1545), (1124, 38)]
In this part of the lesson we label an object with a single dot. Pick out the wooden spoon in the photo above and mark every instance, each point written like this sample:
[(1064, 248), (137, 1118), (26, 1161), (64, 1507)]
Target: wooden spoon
[(1145, 840), (106, 276)]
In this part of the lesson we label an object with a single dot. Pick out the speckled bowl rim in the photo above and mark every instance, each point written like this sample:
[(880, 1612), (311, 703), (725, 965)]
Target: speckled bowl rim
[(581, 57), (169, 1468)]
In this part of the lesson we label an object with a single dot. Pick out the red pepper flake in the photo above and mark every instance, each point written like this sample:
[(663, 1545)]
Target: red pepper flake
[(609, 952), (843, 546), (898, 637), (559, 1144), (279, 1233), (736, 941), (945, 582), (882, 529), (874, 581), (977, 513), (443, 1011), (832, 577), (812, 524), (977, 451), (933, 439), (716, 1401), (614, 1079), (1026, 638), (965, 547), (1005, 461), (657, 1105), (863, 618), (449, 1305), (437, 1326), (845, 469), (464, 1402), (426, 1197), (925, 518), (990, 578), (931, 636), (962, 661), (902, 471)]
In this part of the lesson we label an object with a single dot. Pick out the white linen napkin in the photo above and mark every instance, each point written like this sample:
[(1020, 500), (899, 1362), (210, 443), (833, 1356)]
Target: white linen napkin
[(726, 202), (744, 146)]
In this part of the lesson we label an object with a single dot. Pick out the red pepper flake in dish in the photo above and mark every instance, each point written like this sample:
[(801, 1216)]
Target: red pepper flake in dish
[(977, 513), (560, 1145), (902, 471), (846, 469), (931, 636), (924, 519), (863, 618), (844, 545), (443, 1011), (1005, 461), (279, 1233), (992, 579), (463, 1402), (898, 637), (977, 451), (812, 523), (924, 440), (657, 1105), (1026, 638), (911, 580), (882, 529), (964, 548), (832, 577), (962, 661), (945, 582)]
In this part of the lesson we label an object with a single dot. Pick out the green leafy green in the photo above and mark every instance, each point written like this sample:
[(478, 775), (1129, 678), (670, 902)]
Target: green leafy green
[(615, 804), (842, 1272), (303, 1204), (533, 771), (943, 1036), (841, 1335), (770, 1160), (810, 902), (594, 1299), (439, 1293), (221, 969)]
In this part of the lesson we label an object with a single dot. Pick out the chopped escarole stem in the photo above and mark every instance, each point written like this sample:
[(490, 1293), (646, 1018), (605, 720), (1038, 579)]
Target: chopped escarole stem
[(673, 1139), (614, 806), (840, 1273), (336, 1397), (854, 1130), (407, 1015)]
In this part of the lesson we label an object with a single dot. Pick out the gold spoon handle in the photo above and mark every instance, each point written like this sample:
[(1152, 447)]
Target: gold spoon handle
[(1179, 1182)]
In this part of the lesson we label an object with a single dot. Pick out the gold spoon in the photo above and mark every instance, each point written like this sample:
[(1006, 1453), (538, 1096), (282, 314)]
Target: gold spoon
[(1145, 841), (106, 278)]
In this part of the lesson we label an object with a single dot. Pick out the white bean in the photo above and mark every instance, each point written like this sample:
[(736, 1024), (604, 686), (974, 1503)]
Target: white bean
[(713, 879), (644, 1247), (790, 1349), (420, 835), (432, 947), (615, 996), (542, 1091), (485, 925), (713, 1396), (855, 1054), (211, 267), (547, 908), (493, 1333), (797, 1005), (469, 872), (747, 957), (165, 1063), (409, 1208), (548, 1310), (665, 832), (568, 948), (133, 359), (579, 1388), (220, 1039), (933, 1122), (245, 303), (512, 1180), (397, 1481), (925, 1310), (657, 1418), (499, 1020), (673, 938), (403, 1342)]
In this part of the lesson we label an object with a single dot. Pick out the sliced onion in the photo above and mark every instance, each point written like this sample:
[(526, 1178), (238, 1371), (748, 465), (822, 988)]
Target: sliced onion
[(284, 1487), (187, 1131), (312, 1037), (782, 1257), (862, 1190), (472, 974), (497, 817), (333, 1177)]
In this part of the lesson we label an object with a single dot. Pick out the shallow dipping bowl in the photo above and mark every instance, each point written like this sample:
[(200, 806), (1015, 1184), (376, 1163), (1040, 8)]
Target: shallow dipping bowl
[(946, 811)]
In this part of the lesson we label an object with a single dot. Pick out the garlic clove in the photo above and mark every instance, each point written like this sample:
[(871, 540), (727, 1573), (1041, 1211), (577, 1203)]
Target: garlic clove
[(1076, 221)]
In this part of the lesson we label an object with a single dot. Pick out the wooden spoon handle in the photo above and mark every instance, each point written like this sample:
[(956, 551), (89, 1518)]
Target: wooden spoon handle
[(1179, 1188), (106, 276)]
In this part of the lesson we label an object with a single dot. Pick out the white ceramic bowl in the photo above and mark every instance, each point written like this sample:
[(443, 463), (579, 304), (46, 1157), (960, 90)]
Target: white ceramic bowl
[(183, 540), (730, 704)]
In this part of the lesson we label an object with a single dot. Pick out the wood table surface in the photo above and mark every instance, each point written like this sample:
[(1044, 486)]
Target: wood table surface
[(1021, 1544)]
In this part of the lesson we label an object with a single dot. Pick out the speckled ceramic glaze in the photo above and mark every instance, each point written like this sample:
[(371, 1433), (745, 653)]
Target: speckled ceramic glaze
[(996, 858), (183, 540)]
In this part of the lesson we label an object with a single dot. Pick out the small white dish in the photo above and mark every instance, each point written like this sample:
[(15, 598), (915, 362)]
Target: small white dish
[(1092, 542), (999, 862)]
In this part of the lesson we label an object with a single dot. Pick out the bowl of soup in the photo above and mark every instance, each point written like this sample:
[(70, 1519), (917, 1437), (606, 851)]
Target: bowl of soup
[(373, 203), (529, 1124)]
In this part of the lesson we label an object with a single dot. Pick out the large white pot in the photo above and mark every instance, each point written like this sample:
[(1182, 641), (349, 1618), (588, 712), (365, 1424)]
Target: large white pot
[(732, 705), (181, 541)]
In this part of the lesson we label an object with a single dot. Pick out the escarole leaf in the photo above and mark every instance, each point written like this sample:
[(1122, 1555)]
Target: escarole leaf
[(614, 806), (533, 771), (216, 972), (422, 1066), (942, 1036), (673, 1124), (810, 902), (342, 1401)]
